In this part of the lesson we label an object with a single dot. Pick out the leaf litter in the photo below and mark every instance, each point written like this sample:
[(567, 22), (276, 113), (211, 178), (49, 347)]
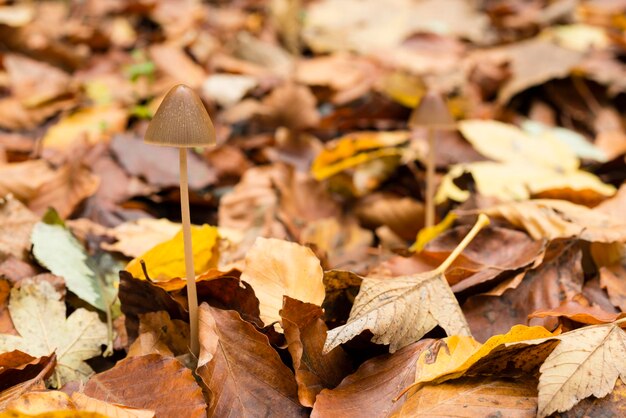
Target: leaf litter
[(306, 210)]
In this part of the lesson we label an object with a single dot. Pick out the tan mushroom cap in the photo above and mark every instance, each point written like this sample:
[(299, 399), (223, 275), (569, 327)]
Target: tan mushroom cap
[(181, 121), (432, 112)]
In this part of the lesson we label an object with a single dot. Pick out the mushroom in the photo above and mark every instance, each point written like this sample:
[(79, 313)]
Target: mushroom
[(432, 114), (182, 121)]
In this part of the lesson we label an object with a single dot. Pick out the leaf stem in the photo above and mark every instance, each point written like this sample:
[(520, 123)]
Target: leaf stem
[(482, 221)]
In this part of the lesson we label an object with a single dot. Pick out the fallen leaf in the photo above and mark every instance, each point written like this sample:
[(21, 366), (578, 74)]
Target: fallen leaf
[(76, 267), (228, 292), (39, 317), (35, 82), (492, 253), (69, 186), (575, 311), (137, 237), (371, 389), (552, 219), (588, 361), (508, 144), (402, 214), (610, 405), (241, 384), (40, 402), (355, 149), (401, 310), (277, 268), (89, 404), (89, 123), (612, 278), (175, 63), (17, 367), (17, 223), (452, 357), (166, 260), (134, 381), (227, 89), (557, 62), (292, 106), (156, 329), (34, 383), (159, 165), (139, 296), (484, 397), (24, 180), (305, 332), (559, 278), (66, 413)]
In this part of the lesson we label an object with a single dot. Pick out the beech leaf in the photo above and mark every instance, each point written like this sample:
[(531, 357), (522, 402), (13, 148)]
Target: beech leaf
[(403, 309)]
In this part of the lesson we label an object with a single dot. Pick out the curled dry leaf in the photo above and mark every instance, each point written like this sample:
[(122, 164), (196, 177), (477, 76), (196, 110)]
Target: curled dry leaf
[(277, 268), (469, 398), (401, 310), (134, 381), (552, 219), (305, 332), (371, 389), (160, 334), (588, 361), (16, 224), (24, 179), (17, 367), (241, 384), (575, 311), (34, 383), (39, 317)]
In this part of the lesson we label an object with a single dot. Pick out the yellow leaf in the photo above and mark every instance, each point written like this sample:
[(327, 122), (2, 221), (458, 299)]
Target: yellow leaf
[(69, 413), (275, 268), (588, 361), (38, 402), (551, 219), (91, 123), (404, 88), (509, 144), (579, 37), (355, 149), (461, 353), (430, 233), (518, 181), (166, 260)]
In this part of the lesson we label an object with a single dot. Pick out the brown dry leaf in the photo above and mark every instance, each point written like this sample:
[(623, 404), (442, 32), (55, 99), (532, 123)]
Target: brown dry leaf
[(16, 225), (371, 389), (14, 116), (141, 296), (401, 310), (292, 106), (613, 279), (575, 311), (17, 367), (35, 82), (37, 382), (6, 323), (612, 405), (493, 252), (40, 402), (552, 219), (403, 215), (160, 334), (277, 268), (469, 398), (89, 404), (159, 165), (134, 381), (556, 62), (69, 186), (241, 384), (135, 238), (588, 361), (24, 179), (176, 64), (614, 206), (305, 332), (559, 278)]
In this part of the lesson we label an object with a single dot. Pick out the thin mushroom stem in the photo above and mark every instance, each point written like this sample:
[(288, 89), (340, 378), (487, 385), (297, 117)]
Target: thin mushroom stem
[(430, 180), (192, 295), (482, 221)]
